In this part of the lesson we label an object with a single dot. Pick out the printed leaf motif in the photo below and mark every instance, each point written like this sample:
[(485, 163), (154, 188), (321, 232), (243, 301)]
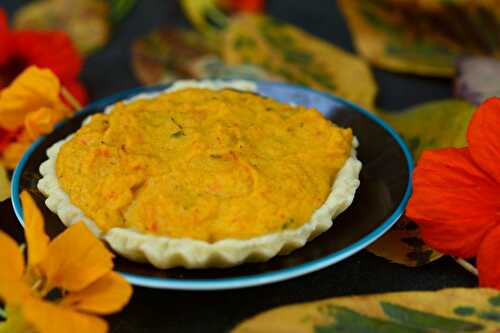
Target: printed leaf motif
[(85, 21), (403, 245), (212, 67), (170, 53), (167, 54), (298, 56), (432, 125), (423, 37), (478, 79), (445, 311), (206, 17), (119, 9)]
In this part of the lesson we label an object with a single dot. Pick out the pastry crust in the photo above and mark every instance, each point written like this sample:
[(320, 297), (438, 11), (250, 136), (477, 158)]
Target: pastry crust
[(166, 252)]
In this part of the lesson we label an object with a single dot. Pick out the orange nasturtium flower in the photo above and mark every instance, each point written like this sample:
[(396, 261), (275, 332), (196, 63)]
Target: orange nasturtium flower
[(46, 49), (29, 107), (243, 5), (456, 195), (65, 284)]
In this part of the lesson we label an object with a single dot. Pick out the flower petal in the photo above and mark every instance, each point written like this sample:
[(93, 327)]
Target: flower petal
[(13, 153), (11, 259), (43, 120), (107, 295), (11, 266), (49, 49), (36, 239), (7, 137), (14, 292), (5, 43), (76, 259), (31, 90), (4, 184), (487, 260), (247, 5), (49, 318), (483, 137), (453, 201), (77, 90)]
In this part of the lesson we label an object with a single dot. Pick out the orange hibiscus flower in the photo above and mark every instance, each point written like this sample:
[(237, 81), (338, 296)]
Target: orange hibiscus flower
[(66, 282), (456, 195)]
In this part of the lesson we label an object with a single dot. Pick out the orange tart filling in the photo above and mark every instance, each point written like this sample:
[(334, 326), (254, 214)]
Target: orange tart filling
[(203, 164)]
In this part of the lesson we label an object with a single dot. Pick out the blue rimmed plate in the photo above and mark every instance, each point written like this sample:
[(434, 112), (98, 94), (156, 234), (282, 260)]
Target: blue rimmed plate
[(379, 202)]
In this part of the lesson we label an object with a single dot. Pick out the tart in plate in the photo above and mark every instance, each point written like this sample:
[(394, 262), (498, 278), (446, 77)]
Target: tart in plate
[(203, 174)]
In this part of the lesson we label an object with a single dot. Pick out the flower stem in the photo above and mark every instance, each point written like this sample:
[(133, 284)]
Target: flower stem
[(3, 315), (70, 98), (468, 266)]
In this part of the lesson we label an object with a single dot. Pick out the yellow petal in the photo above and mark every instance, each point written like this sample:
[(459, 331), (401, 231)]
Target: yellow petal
[(15, 321), (11, 258), (31, 90), (4, 184), (13, 153), (11, 269), (34, 231), (43, 120), (14, 292), (75, 259), (107, 295), (50, 318)]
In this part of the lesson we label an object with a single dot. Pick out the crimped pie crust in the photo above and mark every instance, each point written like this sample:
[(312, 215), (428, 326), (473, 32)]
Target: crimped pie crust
[(166, 252)]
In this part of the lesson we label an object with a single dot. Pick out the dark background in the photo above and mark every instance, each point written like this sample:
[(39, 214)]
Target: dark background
[(108, 71)]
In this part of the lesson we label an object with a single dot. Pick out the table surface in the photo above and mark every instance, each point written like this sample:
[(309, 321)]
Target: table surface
[(108, 71)]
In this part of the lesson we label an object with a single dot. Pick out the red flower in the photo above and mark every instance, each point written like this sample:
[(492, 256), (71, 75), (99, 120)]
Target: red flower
[(247, 5), (45, 49), (456, 195), (5, 44), (7, 137)]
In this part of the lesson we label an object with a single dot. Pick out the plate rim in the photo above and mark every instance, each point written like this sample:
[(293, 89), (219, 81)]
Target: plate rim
[(247, 280)]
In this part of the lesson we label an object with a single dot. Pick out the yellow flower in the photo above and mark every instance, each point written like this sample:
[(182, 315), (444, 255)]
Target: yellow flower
[(13, 152), (66, 282), (31, 105), (4, 184)]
